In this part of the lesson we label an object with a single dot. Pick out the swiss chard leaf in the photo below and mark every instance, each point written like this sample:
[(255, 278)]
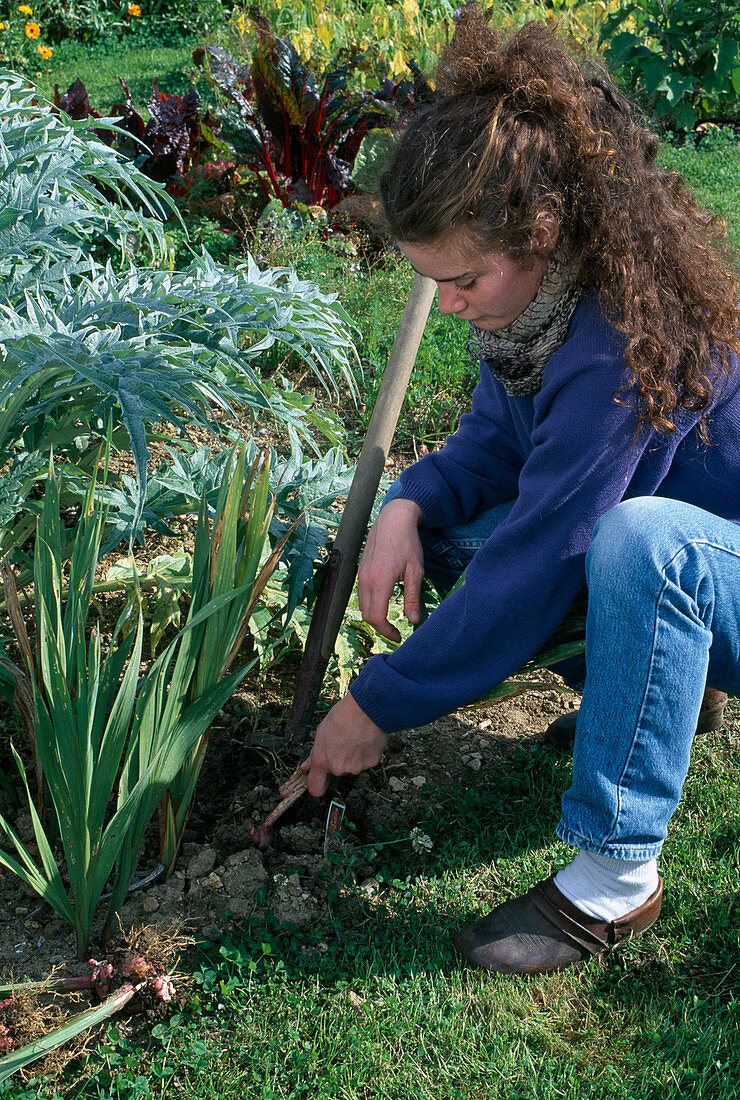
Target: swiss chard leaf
[(75, 101), (301, 130), (226, 74), (172, 133)]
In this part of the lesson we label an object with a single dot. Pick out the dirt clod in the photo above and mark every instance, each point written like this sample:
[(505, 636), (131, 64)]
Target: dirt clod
[(222, 877)]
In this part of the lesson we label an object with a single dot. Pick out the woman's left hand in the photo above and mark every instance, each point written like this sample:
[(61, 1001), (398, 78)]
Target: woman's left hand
[(347, 742)]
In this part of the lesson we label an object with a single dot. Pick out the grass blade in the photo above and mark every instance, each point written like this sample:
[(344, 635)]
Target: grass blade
[(11, 1063)]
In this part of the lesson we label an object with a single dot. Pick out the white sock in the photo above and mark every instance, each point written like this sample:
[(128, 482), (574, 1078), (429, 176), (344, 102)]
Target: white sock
[(607, 888)]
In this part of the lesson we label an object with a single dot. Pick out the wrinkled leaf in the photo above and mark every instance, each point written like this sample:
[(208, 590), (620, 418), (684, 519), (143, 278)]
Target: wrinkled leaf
[(165, 610)]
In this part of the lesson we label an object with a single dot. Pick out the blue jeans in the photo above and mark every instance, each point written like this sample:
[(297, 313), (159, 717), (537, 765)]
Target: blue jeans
[(663, 619)]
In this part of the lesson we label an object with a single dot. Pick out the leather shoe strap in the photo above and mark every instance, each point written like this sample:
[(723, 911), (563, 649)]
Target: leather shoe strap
[(593, 935)]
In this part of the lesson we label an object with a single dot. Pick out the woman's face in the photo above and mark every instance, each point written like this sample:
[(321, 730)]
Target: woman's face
[(488, 288)]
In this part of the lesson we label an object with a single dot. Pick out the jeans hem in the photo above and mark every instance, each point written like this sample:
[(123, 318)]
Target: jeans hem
[(609, 848)]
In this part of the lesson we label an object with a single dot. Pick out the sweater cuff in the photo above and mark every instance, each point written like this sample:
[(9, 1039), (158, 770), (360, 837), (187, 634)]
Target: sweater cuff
[(392, 702), (427, 500), (365, 692)]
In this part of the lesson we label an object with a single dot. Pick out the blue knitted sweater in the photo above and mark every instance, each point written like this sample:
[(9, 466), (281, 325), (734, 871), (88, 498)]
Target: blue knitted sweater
[(566, 455)]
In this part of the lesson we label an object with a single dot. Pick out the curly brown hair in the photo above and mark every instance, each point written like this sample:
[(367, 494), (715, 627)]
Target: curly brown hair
[(523, 127)]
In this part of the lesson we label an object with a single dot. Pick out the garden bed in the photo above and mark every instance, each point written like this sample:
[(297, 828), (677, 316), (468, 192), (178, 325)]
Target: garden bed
[(222, 881)]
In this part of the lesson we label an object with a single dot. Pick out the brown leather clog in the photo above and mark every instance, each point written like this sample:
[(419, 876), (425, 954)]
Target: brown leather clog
[(542, 931)]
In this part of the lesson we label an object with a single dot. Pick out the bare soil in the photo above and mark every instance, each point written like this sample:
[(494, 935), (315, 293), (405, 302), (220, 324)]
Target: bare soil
[(222, 880)]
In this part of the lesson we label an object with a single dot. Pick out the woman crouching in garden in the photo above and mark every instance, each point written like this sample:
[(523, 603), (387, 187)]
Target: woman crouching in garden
[(603, 446)]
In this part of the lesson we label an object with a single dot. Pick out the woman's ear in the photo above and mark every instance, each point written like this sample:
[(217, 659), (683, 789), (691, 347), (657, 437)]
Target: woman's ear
[(546, 233)]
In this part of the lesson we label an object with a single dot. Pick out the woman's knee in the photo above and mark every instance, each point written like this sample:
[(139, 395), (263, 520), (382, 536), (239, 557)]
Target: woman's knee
[(643, 532)]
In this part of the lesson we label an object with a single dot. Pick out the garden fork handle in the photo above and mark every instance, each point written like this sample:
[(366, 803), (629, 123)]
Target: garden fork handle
[(329, 611)]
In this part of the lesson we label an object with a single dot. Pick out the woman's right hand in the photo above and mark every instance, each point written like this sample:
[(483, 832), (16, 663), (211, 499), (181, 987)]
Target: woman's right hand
[(393, 553)]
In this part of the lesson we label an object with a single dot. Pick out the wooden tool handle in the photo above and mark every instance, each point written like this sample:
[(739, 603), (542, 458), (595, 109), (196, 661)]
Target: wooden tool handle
[(371, 463), (342, 567)]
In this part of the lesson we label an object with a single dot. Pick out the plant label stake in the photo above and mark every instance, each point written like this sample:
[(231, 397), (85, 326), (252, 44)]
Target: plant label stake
[(334, 819), (341, 568)]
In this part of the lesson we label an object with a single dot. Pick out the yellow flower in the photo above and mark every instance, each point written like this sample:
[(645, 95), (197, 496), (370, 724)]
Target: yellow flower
[(45, 51), (25, 9), (33, 30), (133, 9)]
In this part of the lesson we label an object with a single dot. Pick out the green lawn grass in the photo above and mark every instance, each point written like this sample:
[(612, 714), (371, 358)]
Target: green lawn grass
[(377, 1007), (100, 68), (713, 172)]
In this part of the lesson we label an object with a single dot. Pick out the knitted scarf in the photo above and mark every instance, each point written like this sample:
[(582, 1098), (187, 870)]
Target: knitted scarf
[(517, 354)]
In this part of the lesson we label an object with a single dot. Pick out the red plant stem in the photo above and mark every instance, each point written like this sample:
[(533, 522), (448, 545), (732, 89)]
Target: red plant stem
[(269, 168), (313, 177), (320, 159), (293, 793), (322, 104), (319, 179), (267, 160), (287, 160), (316, 171), (262, 183), (304, 136), (290, 792)]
